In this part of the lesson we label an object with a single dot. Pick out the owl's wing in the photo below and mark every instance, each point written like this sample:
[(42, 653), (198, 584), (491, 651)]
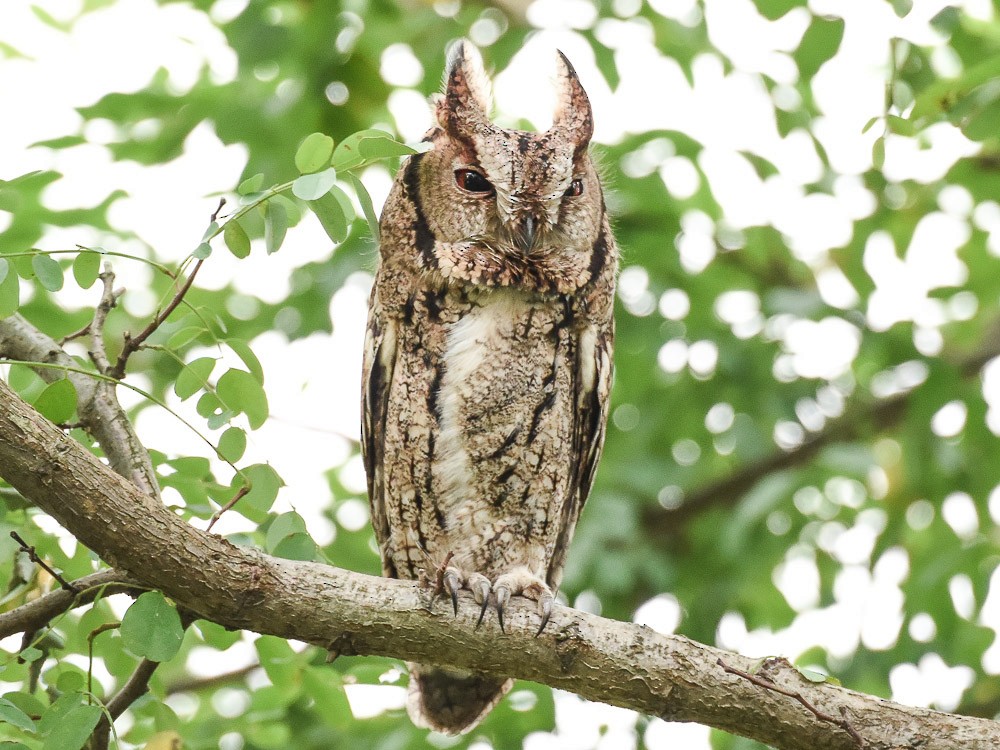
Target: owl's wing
[(379, 360), (592, 385)]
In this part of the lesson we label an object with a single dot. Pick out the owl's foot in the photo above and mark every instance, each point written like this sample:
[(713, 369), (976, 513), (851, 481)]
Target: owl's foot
[(518, 582)]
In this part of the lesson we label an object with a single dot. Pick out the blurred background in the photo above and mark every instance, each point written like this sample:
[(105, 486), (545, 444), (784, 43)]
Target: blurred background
[(802, 456)]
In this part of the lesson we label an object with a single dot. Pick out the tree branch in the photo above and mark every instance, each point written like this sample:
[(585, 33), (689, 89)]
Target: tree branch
[(859, 418), (101, 414), (37, 613), (618, 663)]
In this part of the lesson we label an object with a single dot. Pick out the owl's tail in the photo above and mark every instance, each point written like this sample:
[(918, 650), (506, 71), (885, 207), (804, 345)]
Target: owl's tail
[(452, 701)]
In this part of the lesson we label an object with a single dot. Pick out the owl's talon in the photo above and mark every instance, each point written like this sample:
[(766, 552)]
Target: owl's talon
[(545, 610), (502, 594), (453, 582), (482, 611)]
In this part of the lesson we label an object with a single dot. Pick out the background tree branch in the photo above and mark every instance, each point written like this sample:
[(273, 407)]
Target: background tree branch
[(862, 415), (618, 663)]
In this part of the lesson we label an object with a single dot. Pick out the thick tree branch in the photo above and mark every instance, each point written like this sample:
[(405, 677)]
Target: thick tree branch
[(101, 414), (618, 663)]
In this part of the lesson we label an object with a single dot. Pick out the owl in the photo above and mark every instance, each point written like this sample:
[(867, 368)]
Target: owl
[(487, 363)]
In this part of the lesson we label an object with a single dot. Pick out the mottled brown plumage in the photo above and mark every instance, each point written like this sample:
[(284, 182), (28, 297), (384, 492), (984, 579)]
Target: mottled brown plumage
[(487, 362)]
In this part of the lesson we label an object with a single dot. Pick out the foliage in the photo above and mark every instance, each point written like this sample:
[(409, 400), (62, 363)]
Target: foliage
[(733, 459)]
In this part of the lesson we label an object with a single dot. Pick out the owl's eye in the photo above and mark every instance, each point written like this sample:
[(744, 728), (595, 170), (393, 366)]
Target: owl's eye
[(473, 181), (575, 188)]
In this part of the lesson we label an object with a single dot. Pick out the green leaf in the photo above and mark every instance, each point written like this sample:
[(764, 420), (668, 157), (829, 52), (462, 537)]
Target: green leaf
[(348, 153), (242, 392), (236, 239), (151, 628), (208, 404), (366, 204), (86, 268), (878, 153), (296, 547), (280, 662), (264, 486), (309, 187), (943, 95), (251, 185), (10, 289), (202, 251), (184, 336), (282, 527), (210, 231), (331, 216), (902, 7), (383, 147), (217, 636), (275, 225), (345, 203), (820, 42), (75, 728), (57, 402), (49, 20), (775, 9), (15, 716), (232, 444), (47, 271), (314, 153), (326, 688), (245, 353), (193, 377)]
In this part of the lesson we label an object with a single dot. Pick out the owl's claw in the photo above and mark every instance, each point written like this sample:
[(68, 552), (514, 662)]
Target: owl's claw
[(502, 594), (545, 610), (480, 586), (453, 582), (482, 611)]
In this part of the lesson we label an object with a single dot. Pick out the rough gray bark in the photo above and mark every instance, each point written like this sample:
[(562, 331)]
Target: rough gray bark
[(619, 663)]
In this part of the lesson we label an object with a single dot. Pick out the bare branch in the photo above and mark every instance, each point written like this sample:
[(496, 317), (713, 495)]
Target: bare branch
[(33, 556), (843, 723), (618, 663), (109, 298), (860, 418), (39, 612), (218, 514), (134, 343), (135, 688), (195, 684)]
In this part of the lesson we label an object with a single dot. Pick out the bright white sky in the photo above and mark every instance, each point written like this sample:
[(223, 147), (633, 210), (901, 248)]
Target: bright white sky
[(312, 383)]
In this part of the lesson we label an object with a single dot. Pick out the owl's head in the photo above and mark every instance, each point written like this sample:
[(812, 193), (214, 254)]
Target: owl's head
[(509, 207)]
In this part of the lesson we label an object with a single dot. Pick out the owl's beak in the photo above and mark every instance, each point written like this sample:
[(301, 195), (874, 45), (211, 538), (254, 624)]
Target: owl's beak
[(525, 233)]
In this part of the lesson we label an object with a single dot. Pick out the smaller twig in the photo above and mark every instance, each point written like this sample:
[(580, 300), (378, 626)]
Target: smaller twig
[(134, 343), (821, 715), (109, 298), (194, 684), (39, 612), (439, 580), (218, 210), (90, 649), (33, 556), (218, 514), (135, 688)]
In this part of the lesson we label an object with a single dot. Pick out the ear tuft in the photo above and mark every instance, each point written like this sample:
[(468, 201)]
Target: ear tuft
[(467, 92), (573, 115), (466, 78)]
